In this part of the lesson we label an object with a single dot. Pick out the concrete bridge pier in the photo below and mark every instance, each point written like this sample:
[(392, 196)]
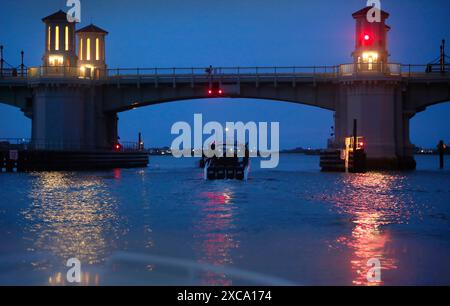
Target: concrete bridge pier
[(106, 131), (408, 146), (58, 121), (102, 126), (377, 105), (71, 117)]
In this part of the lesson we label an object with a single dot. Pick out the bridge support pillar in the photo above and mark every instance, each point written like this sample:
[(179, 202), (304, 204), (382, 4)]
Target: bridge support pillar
[(102, 133), (106, 134), (378, 108), (69, 118), (58, 117), (408, 146)]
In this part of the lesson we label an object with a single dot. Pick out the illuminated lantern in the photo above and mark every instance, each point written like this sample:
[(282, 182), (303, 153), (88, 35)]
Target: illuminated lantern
[(59, 42), (91, 51), (371, 48)]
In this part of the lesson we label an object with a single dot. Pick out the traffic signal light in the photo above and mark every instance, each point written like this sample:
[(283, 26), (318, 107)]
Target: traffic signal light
[(215, 92)]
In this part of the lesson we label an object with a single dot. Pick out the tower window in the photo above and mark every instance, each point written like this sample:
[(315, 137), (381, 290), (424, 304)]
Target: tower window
[(67, 38), (49, 37), (57, 38), (81, 48), (56, 60), (88, 49), (370, 58), (97, 49)]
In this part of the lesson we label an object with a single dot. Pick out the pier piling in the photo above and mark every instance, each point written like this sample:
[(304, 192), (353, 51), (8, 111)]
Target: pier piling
[(441, 149)]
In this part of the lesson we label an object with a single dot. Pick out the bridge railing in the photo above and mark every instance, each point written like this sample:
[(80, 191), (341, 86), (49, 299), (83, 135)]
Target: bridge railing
[(40, 145), (13, 73), (54, 72), (424, 70), (132, 73), (212, 71), (391, 69)]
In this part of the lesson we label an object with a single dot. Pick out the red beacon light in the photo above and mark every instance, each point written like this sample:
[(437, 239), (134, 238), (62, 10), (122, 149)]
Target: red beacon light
[(220, 91), (210, 92), (118, 147), (367, 39)]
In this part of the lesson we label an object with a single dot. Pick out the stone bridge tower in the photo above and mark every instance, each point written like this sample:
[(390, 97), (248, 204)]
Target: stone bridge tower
[(370, 91), (67, 111)]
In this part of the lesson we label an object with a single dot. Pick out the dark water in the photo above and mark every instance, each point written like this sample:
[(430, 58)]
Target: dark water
[(166, 225)]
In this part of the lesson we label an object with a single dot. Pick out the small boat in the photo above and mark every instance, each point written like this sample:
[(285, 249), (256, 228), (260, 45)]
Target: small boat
[(228, 168)]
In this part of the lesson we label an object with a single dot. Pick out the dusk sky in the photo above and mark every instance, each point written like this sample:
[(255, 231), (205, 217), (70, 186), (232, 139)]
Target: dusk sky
[(199, 33)]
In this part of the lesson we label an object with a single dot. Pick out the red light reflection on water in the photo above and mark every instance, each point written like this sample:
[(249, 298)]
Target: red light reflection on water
[(369, 199), (216, 238), (117, 174)]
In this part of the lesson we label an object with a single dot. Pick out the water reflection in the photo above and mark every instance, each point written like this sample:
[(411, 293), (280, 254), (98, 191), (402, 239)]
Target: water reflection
[(216, 236), (373, 202), (145, 215), (70, 216), (87, 279)]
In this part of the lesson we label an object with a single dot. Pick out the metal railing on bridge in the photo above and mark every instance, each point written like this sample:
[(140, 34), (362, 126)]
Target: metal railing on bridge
[(13, 73), (392, 69), (213, 71), (54, 72), (179, 74), (23, 144), (124, 73), (374, 68), (317, 72), (425, 70)]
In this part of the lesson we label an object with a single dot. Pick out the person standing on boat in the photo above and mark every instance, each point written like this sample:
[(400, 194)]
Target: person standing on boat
[(246, 155)]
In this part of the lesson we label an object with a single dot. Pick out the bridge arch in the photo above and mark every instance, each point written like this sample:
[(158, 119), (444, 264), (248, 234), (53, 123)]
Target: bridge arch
[(431, 125), (300, 122), (424, 107), (125, 97), (136, 105), (421, 96), (13, 123)]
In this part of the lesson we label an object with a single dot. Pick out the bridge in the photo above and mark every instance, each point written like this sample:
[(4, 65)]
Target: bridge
[(73, 98)]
